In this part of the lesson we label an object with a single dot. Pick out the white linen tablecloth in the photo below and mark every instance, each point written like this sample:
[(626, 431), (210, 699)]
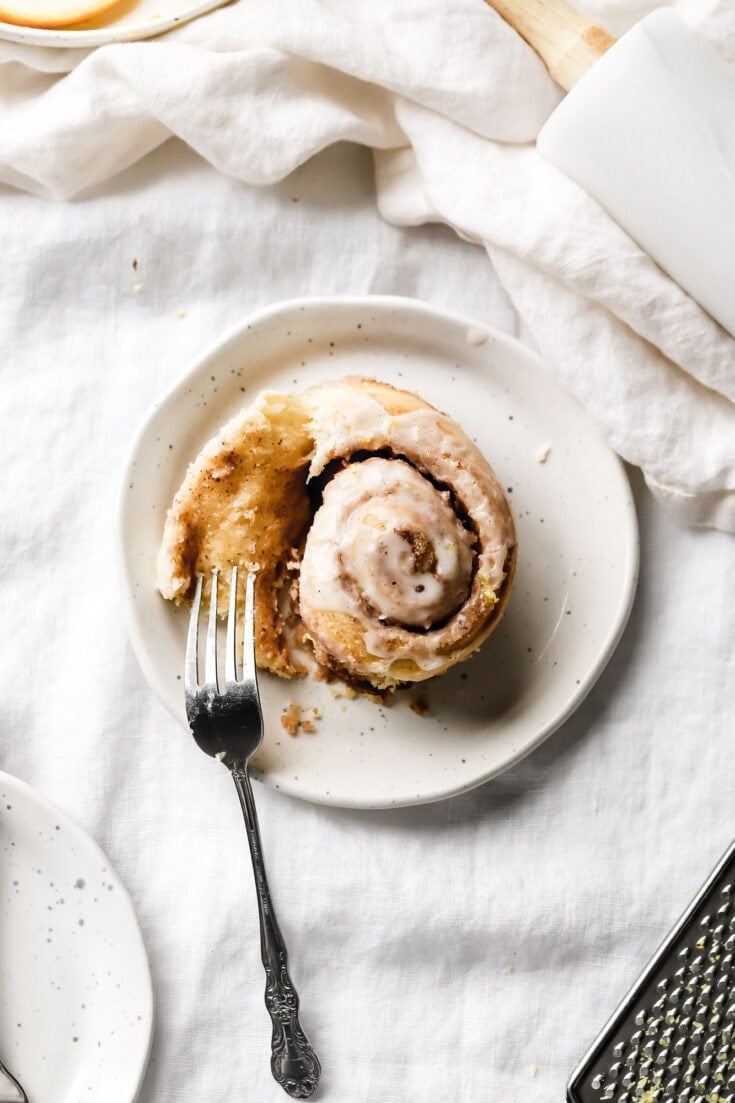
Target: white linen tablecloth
[(451, 100), (464, 951)]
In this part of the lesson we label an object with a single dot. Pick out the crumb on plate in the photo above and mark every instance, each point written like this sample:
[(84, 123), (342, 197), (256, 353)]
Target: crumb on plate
[(294, 720), (420, 705)]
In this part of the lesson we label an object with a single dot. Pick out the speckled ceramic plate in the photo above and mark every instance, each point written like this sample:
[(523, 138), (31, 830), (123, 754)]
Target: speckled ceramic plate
[(125, 22), (76, 1005), (578, 547)]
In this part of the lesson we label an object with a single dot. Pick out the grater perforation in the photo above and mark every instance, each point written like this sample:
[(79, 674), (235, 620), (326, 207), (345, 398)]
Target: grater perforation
[(672, 1040)]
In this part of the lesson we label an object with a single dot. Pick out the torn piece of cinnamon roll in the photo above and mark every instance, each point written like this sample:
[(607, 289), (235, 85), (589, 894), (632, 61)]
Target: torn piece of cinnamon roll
[(383, 538)]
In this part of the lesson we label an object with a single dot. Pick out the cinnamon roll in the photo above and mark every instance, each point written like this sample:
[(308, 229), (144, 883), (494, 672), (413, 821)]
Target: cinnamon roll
[(384, 543)]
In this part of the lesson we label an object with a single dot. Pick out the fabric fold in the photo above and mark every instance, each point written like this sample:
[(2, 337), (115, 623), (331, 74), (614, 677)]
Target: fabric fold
[(450, 100)]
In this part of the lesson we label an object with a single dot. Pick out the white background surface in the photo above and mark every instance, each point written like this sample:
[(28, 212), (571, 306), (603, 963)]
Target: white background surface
[(441, 952)]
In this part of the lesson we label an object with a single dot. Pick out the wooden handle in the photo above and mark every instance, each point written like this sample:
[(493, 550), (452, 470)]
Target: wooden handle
[(563, 38)]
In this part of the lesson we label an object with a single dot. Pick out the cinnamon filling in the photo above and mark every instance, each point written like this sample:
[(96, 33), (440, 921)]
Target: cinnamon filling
[(424, 557), (387, 537)]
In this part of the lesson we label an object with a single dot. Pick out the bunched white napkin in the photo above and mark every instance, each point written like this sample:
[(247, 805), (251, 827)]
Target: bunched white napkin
[(450, 99)]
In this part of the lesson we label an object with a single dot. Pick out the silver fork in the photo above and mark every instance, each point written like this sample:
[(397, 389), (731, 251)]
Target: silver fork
[(228, 725)]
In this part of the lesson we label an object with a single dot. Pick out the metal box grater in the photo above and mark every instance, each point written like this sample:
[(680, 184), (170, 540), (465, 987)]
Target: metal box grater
[(672, 1040)]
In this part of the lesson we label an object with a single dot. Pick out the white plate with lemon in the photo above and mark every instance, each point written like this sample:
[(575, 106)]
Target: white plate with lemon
[(90, 23)]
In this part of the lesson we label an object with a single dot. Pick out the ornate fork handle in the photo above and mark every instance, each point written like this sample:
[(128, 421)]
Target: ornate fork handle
[(294, 1064)]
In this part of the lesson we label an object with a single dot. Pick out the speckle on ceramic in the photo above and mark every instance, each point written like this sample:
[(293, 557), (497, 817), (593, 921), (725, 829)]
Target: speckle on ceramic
[(577, 534)]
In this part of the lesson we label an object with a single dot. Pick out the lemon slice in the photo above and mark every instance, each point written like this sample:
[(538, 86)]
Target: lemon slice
[(51, 13)]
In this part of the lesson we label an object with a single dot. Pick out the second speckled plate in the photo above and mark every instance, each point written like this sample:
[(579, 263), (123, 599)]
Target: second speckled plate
[(76, 1001), (578, 547)]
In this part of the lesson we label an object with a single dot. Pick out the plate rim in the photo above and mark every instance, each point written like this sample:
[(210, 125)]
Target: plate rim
[(37, 799), (515, 347), (64, 38)]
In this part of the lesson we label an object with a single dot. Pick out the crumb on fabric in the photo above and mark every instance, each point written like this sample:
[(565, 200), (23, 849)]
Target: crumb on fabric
[(533, 1070), (542, 454), (137, 288)]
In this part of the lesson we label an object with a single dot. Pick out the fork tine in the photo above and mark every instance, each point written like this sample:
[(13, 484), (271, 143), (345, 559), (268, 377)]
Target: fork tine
[(248, 642), (191, 677), (231, 645), (210, 655)]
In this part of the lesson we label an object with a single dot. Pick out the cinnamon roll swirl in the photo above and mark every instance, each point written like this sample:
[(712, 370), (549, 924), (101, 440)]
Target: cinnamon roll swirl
[(383, 540)]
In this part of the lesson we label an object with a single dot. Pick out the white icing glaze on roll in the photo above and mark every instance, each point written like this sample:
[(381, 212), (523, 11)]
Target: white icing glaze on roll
[(346, 420), (389, 525), (387, 545)]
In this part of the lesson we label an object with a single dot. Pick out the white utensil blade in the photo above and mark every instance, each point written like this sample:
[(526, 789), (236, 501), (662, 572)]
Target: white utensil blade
[(649, 132)]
